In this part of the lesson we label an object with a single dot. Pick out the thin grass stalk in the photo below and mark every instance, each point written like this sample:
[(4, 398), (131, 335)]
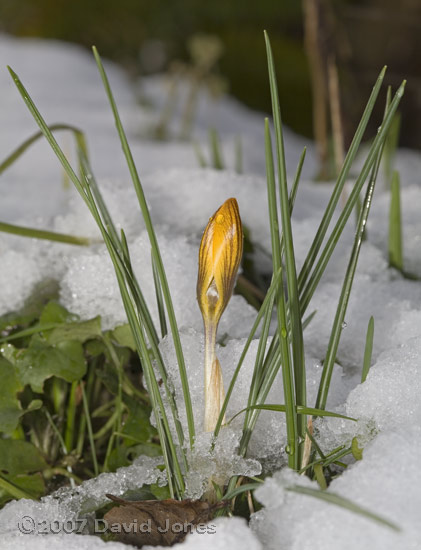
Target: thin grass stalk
[(70, 416), (155, 250), (327, 251), (345, 293), (282, 327), (395, 224), (44, 235), (10, 159), (297, 342), (215, 148), (159, 299), (368, 349), (336, 194), (90, 431)]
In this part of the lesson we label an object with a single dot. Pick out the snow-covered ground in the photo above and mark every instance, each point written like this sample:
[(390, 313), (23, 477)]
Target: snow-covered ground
[(64, 83)]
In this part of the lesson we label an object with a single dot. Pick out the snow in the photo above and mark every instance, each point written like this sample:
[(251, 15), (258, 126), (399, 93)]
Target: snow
[(63, 81)]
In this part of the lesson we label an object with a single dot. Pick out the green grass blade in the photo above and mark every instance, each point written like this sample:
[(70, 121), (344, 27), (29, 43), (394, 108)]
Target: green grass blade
[(395, 225), (14, 490), (19, 151), (345, 293), (155, 250), (337, 500), (215, 148), (300, 410), (199, 154), (241, 489), (33, 233), (371, 159), (159, 299), (343, 175), (296, 181), (368, 349), (90, 431), (297, 342), (282, 326)]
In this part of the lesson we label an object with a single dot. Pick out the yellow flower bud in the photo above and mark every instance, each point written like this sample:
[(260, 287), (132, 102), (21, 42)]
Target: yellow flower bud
[(219, 258)]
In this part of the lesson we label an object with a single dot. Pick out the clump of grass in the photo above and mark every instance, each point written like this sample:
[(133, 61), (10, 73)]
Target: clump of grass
[(285, 351)]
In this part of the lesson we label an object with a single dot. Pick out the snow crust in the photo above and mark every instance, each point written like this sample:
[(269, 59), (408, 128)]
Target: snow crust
[(64, 83)]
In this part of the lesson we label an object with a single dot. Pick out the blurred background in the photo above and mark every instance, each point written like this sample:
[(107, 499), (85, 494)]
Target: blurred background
[(328, 52)]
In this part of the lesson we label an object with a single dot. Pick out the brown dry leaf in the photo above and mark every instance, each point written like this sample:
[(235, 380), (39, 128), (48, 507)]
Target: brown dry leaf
[(156, 522)]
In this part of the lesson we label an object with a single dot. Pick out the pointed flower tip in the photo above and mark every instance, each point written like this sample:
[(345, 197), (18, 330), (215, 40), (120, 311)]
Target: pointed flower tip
[(220, 254)]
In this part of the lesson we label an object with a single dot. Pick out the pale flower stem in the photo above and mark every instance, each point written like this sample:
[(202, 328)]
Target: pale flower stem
[(214, 387)]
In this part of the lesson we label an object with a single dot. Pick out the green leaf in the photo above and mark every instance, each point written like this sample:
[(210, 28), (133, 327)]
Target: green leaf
[(137, 425), (10, 408), (357, 453), (53, 312), (41, 361), (20, 457), (78, 332), (21, 486), (124, 337)]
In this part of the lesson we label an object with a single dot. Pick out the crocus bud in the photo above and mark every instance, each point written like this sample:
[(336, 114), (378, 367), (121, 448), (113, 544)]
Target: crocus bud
[(219, 258)]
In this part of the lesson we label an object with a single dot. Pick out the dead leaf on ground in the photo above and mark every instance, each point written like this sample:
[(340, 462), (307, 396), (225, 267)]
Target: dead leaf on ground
[(157, 522)]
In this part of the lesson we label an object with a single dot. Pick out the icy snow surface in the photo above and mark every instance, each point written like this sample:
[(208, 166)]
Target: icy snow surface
[(63, 81)]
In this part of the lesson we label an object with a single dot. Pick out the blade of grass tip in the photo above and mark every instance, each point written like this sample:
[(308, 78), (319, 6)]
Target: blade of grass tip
[(238, 155), (215, 147), (297, 177), (262, 312), (297, 342), (338, 323), (44, 235), (308, 319), (10, 159), (159, 299), (342, 502), (49, 136), (346, 212), (368, 349), (395, 224), (199, 154), (337, 191), (155, 249), (282, 327)]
